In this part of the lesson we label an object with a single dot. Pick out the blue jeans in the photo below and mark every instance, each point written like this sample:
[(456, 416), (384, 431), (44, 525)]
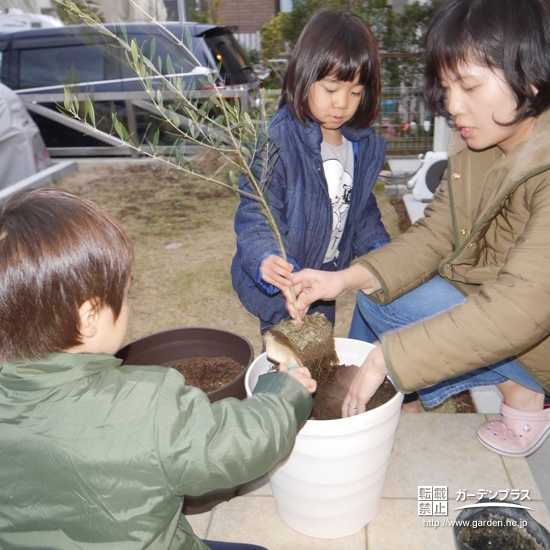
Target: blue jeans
[(371, 320)]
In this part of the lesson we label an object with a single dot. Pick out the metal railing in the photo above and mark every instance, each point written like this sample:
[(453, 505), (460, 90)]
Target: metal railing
[(403, 119), (135, 104)]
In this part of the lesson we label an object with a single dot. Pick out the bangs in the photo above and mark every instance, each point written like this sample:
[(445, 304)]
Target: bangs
[(345, 59), (455, 38), (460, 46)]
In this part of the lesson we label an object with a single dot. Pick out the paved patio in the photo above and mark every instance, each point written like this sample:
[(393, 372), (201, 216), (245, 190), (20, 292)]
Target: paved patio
[(431, 449)]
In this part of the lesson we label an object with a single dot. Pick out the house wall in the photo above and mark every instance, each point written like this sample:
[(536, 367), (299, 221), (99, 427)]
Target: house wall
[(28, 6), (113, 11), (122, 10), (248, 15)]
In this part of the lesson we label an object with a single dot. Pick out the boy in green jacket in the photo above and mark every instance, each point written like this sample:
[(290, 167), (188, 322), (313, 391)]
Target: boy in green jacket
[(94, 454)]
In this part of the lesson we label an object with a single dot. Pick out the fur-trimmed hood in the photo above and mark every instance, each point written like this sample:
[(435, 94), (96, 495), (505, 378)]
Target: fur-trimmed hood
[(532, 158)]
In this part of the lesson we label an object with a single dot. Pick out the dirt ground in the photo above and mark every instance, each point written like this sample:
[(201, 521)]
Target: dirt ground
[(183, 234), (182, 230)]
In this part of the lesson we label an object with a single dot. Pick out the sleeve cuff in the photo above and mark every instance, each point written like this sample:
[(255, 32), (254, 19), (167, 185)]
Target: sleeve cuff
[(291, 390), (268, 288)]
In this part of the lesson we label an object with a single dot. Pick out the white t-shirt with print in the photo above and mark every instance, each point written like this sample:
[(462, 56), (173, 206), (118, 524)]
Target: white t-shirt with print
[(338, 168)]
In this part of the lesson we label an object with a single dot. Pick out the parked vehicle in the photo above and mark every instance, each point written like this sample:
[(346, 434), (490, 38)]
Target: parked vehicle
[(22, 151), (40, 63), (18, 21)]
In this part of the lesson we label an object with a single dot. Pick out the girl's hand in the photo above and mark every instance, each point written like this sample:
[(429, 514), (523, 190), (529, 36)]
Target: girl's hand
[(369, 378), (301, 374), (274, 270)]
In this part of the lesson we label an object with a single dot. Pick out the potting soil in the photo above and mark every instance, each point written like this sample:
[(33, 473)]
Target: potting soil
[(495, 536), (313, 344), (209, 373), (327, 404)]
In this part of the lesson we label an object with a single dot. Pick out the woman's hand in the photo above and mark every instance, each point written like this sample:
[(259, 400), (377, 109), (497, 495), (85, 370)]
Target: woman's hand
[(301, 374), (311, 285), (277, 272), (369, 378)]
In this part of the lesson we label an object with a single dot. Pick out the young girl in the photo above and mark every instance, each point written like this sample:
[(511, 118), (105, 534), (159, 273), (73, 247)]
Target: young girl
[(320, 189), (465, 293)]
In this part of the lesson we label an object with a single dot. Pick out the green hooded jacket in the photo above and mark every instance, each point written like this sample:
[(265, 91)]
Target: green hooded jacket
[(98, 455)]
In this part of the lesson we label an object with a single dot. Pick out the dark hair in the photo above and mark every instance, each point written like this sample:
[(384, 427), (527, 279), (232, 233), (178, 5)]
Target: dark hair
[(58, 251), (508, 35), (335, 43)]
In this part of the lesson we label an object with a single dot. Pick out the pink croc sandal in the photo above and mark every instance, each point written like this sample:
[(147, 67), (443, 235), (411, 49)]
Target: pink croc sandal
[(519, 433)]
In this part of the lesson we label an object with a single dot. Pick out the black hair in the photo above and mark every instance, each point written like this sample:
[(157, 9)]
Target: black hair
[(335, 43), (510, 35)]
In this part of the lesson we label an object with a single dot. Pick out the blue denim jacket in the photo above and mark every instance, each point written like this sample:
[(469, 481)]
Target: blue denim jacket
[(300, 203)]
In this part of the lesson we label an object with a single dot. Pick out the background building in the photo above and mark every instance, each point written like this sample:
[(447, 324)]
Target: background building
[(248, 15), (28, 6)]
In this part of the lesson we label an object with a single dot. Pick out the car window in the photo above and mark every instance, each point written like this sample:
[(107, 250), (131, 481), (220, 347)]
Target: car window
[(158, 48), (163, 47), (61, 65)]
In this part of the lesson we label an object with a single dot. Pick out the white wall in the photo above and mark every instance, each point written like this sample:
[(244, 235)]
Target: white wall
[(121, 10), (286, 5), (28, 6)]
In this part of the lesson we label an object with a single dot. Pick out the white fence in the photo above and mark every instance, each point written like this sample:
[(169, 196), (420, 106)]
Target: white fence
[(249, 40)]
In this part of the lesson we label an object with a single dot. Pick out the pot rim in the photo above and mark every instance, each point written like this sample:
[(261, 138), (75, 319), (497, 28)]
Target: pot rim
[(174, 338), (186, 329), (313, 427)]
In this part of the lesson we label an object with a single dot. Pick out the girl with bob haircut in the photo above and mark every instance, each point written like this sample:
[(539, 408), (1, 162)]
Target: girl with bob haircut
[(462, 299), (326, 164), (96, 454)]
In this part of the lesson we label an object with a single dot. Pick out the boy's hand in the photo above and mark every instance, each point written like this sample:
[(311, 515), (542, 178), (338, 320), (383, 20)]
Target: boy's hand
[(301, 374), (274, 270)]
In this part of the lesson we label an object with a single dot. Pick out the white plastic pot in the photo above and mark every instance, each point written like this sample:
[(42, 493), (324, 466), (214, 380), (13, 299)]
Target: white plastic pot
[(330, 485)]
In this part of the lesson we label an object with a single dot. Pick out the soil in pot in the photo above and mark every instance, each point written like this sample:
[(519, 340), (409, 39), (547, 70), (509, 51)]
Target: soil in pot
[(313, 347), (209, 373), (328, 399), (495, 535)]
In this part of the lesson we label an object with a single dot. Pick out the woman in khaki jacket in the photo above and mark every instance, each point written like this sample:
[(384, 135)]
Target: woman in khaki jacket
[(465, 293)]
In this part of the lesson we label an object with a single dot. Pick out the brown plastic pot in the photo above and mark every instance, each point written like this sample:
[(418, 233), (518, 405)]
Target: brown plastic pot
[(175, 346), (496, 538)]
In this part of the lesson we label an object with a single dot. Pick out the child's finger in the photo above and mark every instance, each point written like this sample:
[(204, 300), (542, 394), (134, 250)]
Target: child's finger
[(301, 374), (306, 380)]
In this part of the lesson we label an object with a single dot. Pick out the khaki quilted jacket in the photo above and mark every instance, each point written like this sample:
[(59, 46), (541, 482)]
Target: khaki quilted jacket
[(487, 231)]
